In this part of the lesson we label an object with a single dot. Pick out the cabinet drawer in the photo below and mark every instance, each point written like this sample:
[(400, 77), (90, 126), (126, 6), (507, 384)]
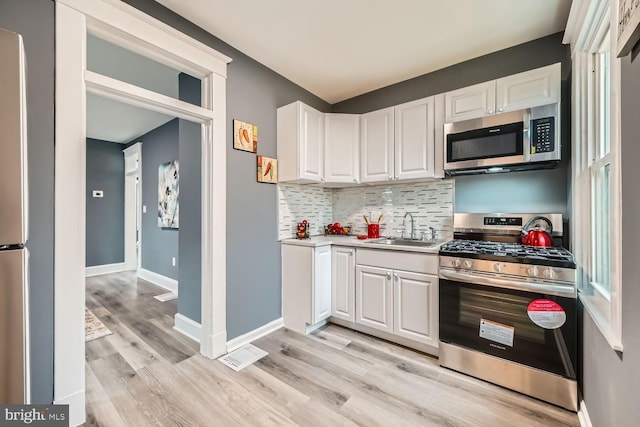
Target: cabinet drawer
[(397, 260)]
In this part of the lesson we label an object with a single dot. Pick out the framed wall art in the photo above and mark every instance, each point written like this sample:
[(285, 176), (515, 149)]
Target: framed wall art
[(267, 170), (168, 192), (245, 136)]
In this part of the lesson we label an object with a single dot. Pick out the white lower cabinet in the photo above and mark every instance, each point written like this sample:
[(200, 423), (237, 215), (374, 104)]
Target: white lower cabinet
[(306, 286), (343, 289), (414, 295), (374, 298)]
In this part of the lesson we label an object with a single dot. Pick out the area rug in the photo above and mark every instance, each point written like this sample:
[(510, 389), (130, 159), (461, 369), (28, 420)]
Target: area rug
[(93, 327)]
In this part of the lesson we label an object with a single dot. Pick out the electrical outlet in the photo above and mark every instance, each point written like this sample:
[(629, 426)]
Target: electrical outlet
[(173, 261), (144, 208)]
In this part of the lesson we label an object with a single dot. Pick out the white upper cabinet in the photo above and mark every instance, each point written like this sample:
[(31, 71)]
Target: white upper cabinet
[(470, 102), (533, 88), (414, 139), (342, 148), (377, 150), (300, 144), (529, 89)]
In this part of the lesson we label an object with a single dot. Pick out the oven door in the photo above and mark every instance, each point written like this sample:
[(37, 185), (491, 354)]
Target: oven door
[(526, 327)]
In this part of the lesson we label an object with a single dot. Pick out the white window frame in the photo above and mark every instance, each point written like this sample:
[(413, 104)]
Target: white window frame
[(590, 22), (126, 26)]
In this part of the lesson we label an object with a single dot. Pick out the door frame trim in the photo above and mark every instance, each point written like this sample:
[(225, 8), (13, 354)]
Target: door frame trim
[(128, 27)]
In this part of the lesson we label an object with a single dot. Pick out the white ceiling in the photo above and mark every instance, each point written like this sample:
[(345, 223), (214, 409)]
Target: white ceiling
[(338, 49)]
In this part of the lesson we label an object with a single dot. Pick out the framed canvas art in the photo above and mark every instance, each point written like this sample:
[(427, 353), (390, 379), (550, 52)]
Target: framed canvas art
[(267, 170), (168, 192), (245, 136)]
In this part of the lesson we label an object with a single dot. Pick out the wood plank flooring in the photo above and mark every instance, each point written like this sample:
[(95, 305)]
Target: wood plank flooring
[(148, 374)]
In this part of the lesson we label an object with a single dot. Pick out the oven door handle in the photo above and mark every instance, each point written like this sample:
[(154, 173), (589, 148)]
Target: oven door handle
[(475, 279)]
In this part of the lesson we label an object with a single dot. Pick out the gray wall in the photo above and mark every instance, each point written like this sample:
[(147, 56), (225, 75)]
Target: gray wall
[(35, 20), (190, 241), (105, 216), (540, 191), (159, 245), (610, 379), (254, 92)]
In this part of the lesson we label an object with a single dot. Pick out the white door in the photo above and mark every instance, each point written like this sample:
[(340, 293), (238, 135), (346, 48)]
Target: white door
[(374, 298), (132, 186), (470, 102), (321, 283), (529, 89), (416, 307), (414, 139), (311, 142), (376, 146), (343, 272), (342, 148)]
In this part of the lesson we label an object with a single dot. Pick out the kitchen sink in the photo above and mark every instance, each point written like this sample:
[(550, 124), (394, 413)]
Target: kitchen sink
[(402, 242)]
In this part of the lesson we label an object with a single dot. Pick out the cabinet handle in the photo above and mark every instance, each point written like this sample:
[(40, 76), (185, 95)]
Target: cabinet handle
[(351, 252), (390, 177), (389, 275), (396, 176), (490, 111), (500, 110), (395, 277)]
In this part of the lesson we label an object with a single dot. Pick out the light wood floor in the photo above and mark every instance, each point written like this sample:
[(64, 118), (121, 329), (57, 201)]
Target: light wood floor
[(148, 374)]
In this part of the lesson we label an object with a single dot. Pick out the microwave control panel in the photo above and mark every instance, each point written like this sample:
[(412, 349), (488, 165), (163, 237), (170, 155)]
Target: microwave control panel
[(542, 135)]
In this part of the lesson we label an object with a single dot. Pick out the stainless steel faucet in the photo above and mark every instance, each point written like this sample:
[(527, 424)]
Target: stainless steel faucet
[(412, 229)]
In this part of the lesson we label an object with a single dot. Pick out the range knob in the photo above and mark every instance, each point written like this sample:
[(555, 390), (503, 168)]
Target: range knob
[(548, 273), (456, 263), (498, 267), (468, 263), (532, 271)]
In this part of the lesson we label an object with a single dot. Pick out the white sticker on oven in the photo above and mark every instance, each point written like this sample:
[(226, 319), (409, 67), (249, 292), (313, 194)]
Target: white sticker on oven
[(546, 313), (497, 332)]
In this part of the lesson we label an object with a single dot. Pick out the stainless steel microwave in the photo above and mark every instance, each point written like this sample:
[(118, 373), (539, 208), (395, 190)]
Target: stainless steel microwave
[(518, 140)]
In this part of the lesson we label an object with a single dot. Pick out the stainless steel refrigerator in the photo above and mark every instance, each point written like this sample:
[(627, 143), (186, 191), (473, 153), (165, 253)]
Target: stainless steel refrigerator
[(14, 255)]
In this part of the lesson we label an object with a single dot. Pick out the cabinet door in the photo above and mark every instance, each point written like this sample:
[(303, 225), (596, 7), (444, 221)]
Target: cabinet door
[(529, 89), (374, 298), (343, 272), (416, 307), (342, 148), (414, 139), (321, 284), (376, 146), (470, 102), (311, 144)]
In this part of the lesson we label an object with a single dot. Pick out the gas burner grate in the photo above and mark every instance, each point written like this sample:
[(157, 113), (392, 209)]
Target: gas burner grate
[(507, 250)]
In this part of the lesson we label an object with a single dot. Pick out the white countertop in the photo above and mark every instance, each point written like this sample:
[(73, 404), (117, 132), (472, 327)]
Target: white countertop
[(353, 241)]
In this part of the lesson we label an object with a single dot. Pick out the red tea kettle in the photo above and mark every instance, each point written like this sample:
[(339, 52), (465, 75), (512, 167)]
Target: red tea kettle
[(537, 236)]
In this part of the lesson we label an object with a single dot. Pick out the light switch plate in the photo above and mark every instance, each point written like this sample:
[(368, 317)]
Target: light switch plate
[(98, 193)]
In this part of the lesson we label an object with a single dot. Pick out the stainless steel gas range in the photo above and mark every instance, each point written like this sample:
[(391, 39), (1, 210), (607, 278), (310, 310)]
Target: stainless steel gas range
[(508, 311)]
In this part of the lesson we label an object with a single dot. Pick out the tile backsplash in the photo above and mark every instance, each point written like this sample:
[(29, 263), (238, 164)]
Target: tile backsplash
[(430, 203), (298, 202)]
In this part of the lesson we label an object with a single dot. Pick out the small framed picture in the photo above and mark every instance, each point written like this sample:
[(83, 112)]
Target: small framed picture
[(267, 170), (245, 136)]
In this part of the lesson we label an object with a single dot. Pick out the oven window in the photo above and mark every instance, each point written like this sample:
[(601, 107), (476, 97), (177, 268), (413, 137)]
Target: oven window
[(486, 143), (476, 304), (465, 309)]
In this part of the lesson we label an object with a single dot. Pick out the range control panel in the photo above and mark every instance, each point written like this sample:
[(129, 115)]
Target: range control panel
[(542, 135), (505, 221)]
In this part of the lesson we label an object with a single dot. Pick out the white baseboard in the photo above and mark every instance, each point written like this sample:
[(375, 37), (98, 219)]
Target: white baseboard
[(96, 270), (187, 327), (159, 279), (583, 415), (251, 336), (76, 402)]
